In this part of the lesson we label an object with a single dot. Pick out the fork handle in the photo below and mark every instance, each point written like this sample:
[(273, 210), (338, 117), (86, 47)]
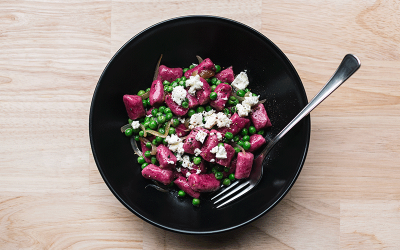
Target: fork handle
[(349, 65)]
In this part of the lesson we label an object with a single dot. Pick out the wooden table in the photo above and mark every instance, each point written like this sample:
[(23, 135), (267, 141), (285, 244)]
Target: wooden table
[(53, 197)]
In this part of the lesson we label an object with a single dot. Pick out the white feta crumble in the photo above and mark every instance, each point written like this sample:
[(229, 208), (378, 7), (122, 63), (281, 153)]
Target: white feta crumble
[(210, 121), (178, 169), (223, 120), (201, 136), (135, 124), (170, 162), (212, 133), (224, 98), (175, 144), (194, 83), (188, 174), (214, 150), (179, 94), (182, 120), (149, 115), (173, 139), (221, 154), (198, 171), (241, 81), (196, 120), (186, 162), (250, 100), (212, 160), (197, 151), (243, 110), (208, 113), (219, 136)]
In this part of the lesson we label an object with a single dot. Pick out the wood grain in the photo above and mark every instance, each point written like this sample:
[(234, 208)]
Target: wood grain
[(53, 197)]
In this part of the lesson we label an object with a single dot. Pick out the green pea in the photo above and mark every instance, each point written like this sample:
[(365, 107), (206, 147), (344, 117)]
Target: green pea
[(148, 145), (233, 110), (246, 145), (141, 133), (167, 110), (165, 82), (241, 93), (183, 78), (170, 88), (192, 66), (214, 170), (231, 177), (230, 102), (171, 131), (185, 69), (159, 139), (144, 103), (246, 90), (218, 82), (208, 108), (168, 116), (240, 143), (220, 144), (159, 114), (195, 202), (261, 132), (161, 130), (166, 88), (175, 122), (208, 80), (130, 120), (137, 137), (165, 142), (161, 119), (141, 92), (148, 89), (214, 81), (147, 154), (228, 135), (236, 138), (246, 138), (213, 95), (154, 142), (237, 149), (185, 105), (252, 130), (191, 112), (181, 193), (144, 165), (218, 175), (128, 132), (200, 109), (217, 68), (148, 102), (245, 131), (213, 87), (153, 125), (161, 109), (232, 98), (141, 160), (154, 112), (236, 102), (182, 83), (153, 160), (226, 111), (197, 160), (174, 84), (226, 182)]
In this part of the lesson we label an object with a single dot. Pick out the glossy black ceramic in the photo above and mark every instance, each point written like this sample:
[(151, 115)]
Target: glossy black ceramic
[(225, 42)]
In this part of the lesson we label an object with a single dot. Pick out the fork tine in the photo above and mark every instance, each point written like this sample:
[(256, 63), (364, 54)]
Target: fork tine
[(236, 196), (225, 190), (232, 192)]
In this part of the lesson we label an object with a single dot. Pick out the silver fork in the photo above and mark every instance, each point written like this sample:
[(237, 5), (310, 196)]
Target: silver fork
[(349, 65)]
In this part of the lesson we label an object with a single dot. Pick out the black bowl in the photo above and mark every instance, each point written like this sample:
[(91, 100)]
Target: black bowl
[(225, 42)]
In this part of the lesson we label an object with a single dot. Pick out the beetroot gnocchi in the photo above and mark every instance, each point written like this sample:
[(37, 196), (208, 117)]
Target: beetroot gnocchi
[(198, 127)]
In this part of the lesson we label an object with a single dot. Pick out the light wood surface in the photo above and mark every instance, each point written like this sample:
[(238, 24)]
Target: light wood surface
[(52, 195)]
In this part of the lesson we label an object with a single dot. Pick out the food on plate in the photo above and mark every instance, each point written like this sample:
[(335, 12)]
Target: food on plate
[(198, 127)]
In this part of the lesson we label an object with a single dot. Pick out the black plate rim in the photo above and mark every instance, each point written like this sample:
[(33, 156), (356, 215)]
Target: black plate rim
[(192, 232)]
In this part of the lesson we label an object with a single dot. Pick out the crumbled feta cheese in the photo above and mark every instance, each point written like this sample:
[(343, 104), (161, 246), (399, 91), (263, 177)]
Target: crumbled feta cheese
[(182, 120), (135, 124), (243, 110), (250, 100), (175, 144), (170, 162), (198, 171), (197, 151), (219, 136), (241, 81), (186, 162), (210, 121), (188, 174), (208, 113), (214, 150), (201, 136), (149, 115), (223, 120), (179, 94), (212, 160), (212, 133), (194, 83), (178, 169), (196, 120), (173, 139), (224, 98), (221, 154)]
